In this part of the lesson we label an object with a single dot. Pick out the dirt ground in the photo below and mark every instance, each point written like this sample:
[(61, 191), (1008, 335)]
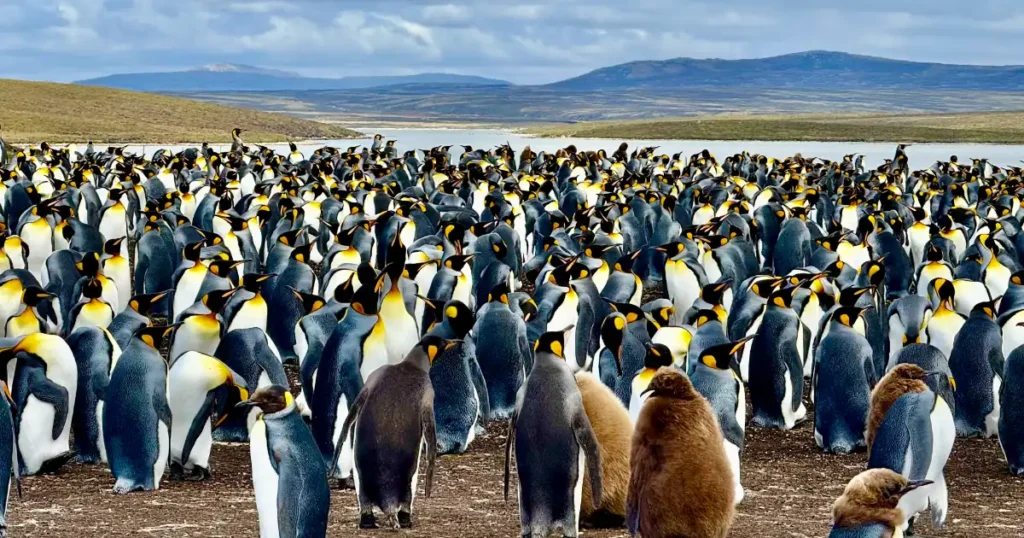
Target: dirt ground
[(790, 487)]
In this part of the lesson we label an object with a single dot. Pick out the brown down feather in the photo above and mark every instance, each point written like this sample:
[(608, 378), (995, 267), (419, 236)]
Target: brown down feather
[(871, 497), (900, 380), (614, 431)]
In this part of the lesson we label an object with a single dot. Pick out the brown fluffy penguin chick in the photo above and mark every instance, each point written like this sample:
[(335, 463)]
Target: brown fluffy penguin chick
[(614, 432), (871, 499), (899, 381), (681, 483)]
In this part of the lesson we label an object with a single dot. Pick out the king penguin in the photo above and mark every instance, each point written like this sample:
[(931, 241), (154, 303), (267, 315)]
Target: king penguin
[(390, 421), (869, 506), (96, 353), (460, 401), (553, 440), (136, 416), (292, 496), (976, 366), (776, 371), (503, 351), (841, 384)]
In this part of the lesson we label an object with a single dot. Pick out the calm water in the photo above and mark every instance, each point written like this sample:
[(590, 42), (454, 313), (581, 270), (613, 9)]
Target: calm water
[(921, 155)]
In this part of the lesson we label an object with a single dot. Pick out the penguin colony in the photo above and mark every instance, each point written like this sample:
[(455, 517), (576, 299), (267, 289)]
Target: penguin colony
[(136, 294)]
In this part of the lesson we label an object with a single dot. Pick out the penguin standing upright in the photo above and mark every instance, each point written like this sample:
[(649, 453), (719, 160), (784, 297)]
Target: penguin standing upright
[(911, 431), (1011, 419), (869, 506), (201, 327), (45, 386), (400, 328), (614, 431), (195, 382), (390, 421), (460, 401), (117, 268), (8, 444), (776, 371), (96, 354), (716, 380), (91, 311), (657, 356), (502, 351), (292, 496), (553, 440), (976, 366), (841, 384), (136, 416), (677, 457)]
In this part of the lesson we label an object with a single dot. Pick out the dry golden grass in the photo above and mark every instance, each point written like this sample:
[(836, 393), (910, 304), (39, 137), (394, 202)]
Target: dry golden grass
[(990, 127), (37, 111)]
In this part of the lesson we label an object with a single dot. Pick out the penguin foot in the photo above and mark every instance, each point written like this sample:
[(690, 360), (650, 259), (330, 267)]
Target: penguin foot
[(367, 521), (177, 471), (53, 465), (198, 474), (405, 520), (346, 483), (910, 527)]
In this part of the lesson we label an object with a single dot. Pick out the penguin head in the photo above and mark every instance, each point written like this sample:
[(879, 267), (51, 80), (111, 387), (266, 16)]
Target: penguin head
[(561, 275), (143, 303), (625, 262), (113, 247), (456, 262), (154, 336), (310, 303), (713, 293), (597, 251), (301, 253), (90, 264), (499, 293), (613, 331), (1017, 278), (34, 295), (782, 297), (986, 308), (706, 316), (873, 497), (552, 342), (222, 267), (254, 281), (658, 355), (848, 315), (849, 296), (942, 292), (269, 399), (661, 315), (366, 299), (528, 306), (631, 311), (215, 300), (764, 287), (670, 383), (875, 271), (92, 289), (291, 237), (433, 346), (459, 318), (192, 251), (720, 357), (934, 254)]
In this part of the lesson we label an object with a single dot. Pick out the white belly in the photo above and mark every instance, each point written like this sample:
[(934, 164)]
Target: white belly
[(35, 440), (264, 480), (163, 439), (732, 453)]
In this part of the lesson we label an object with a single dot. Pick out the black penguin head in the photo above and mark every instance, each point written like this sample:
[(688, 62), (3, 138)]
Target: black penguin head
[(528, 306), (92, 289), (270, 399), (830, 242), (782, 297), (301, 253), (254, 281), (658, 355), (456, 262), (597, 251), (34, 295), (631, 311), (499, 248), (499, 293), (222, 267), (345, 291), (671, 250), (613, 331), (237, 223), (291, 237), (986, 308), (662, 316), (1017, 278), (459, 317), (625, 263), (934, 254), (310, 303), (552, 342), (143, 303), (850, 296), (113, 247), (366, 300), (433, 346), (713, 293), (215, 300), (192, 251), (943, 290), (210, 239), (763, 288), (875, 269), (154, 336), (720, 357), (90, 264), (848, 315), (706, 316)]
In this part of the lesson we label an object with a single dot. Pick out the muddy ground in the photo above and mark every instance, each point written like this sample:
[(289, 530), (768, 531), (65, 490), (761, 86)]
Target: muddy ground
[(790, 487)]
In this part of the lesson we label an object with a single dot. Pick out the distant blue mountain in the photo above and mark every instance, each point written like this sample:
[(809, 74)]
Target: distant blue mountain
[(234, 77), (820, 70)]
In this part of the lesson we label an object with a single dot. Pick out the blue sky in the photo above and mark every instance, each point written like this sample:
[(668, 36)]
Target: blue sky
[(524, 41)]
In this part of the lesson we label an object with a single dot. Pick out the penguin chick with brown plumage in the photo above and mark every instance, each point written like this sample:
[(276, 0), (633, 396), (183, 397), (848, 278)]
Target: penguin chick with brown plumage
[(868, 506), (681, 483), (614, 430)]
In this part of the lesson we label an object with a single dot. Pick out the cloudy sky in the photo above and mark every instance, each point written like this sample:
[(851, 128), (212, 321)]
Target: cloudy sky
[(524, 41)]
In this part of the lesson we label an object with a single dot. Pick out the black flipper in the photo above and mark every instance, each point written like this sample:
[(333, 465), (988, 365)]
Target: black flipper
[(509, 441), (588, 443), (199, 422), (49, 392), (430, 437), (481, 389)]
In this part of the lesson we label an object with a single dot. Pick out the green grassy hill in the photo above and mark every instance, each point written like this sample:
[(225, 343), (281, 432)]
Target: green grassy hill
[(37, 111), (994, 127)]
